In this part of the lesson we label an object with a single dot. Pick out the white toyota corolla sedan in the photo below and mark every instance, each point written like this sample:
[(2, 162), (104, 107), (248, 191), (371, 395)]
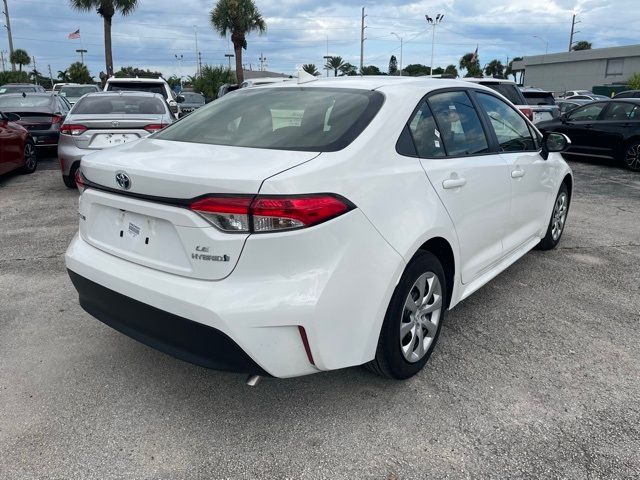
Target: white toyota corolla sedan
[(291, 229)]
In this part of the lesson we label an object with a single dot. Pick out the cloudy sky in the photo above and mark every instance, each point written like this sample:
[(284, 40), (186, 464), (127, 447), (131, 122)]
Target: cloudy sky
[(303, 31)]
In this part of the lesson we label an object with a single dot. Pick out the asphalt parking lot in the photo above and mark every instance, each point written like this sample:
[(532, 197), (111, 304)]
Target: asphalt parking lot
[(537, 375)]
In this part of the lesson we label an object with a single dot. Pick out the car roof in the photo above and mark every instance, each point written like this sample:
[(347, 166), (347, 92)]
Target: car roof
[(19, 85), (30, 94), (136, 79), (533, 90), (489, 80), (125, 94)]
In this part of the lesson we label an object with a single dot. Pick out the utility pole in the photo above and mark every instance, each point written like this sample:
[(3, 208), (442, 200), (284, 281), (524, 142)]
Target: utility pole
[(35, 71), (3, 60), (573, 32), (179, 59), (50, 75), (229, 56), (200, 64), (362, 39), (81, 51), (433, 23), (263, 62), (400, 38), (198, 68), (8, 25)]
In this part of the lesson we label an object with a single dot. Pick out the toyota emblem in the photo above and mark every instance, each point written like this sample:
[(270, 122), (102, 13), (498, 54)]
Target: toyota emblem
[(123, 180), (115, 124)]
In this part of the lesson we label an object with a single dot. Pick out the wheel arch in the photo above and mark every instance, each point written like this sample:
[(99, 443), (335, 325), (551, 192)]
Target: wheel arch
[(568, 181), (443, 250)]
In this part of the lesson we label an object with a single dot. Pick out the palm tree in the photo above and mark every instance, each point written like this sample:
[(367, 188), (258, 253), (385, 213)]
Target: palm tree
[(335, 64), (311, 69), (471, 64), (106, 9), (21, 57), (63, 75), (238, 17), (451, 70), (348, 70), (494, 69)]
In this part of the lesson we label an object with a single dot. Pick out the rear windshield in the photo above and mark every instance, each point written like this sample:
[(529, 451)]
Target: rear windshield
[(137, 87), (507, 90), (307, 119), (75, 92), (539, 98), (28, 101), (14, 89), (192, 97), (122, 104)]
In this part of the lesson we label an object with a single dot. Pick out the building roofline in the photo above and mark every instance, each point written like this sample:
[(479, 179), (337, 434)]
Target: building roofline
[(580, 55)]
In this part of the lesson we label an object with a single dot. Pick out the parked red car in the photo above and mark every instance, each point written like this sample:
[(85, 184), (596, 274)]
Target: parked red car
[(17, 149)]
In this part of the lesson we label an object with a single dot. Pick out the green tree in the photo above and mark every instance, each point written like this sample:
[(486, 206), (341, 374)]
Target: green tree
[(335, 64), (510, 71), (173, 81), (21, 57), (634, 81), (451, 70), (131, 72), (106, 9), (63, 75), (494, 69), (393, 65), (237, 17), (348, 70), (581, 45), (438, 71), (471, 63), (416, 70), (311, 69), (370, 70), (13, 77), (211, 79), (79, 73)]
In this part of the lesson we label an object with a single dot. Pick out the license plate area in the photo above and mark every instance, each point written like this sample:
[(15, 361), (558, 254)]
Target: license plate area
[(105, 140)]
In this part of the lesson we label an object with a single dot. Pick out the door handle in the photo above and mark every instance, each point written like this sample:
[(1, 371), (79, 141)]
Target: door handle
[(517, 173), (588, 125), (454, 183)]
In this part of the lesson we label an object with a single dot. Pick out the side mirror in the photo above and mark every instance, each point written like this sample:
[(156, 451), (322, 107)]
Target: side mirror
[(554, 142), (180, 99), (11, 117)]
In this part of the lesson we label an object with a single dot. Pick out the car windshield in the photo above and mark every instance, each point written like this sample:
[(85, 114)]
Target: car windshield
[(28, 101), (539, 98), (75, 92), (507, 90), (16, 89), (119, 104), (152, 87), (192, 97), (306, 119)]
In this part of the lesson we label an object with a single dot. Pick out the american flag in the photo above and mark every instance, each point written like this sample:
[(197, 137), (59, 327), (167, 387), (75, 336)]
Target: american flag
[(474, 57), (74, 35)]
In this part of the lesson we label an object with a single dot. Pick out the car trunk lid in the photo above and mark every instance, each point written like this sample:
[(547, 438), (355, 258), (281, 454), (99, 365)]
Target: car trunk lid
[(109, 130)]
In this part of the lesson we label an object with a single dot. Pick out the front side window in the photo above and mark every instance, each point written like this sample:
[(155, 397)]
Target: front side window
[(511, 129), (586, 112), (424, 131), (458, 124), (306, 119), (621, 111)]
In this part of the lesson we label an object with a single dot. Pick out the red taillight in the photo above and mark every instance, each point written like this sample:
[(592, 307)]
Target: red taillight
[(80, 180), (56, 119), (72, 129), (154, 127), (270, 213), (527, 112)]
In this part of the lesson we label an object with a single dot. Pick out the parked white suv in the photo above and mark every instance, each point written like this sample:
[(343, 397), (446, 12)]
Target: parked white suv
[(294, 229), (152, 85)]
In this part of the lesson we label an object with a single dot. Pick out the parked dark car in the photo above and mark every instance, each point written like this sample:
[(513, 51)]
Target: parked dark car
[(20, 87), (17, 150), (41, 114), (628, 94), (192, 101), (608, 129)]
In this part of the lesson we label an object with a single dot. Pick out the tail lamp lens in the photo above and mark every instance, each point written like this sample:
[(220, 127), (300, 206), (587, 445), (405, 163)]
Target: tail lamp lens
[(80, 181), (71, 129), (527, 113), (154, 127), (270, 213), (56, 119)]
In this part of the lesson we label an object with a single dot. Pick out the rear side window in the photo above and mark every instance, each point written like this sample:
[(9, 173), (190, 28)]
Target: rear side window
[(621, 111), (458, 124), (425, 134), (137, 87), (306, 119), (119, 104), (511, 129), (507, 90)]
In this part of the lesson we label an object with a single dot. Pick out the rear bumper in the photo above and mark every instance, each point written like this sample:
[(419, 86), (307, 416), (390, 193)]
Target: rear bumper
[(45, 138), (182, 338)]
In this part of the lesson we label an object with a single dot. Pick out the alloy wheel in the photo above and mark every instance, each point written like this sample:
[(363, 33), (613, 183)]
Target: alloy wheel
[(632, 157), (29, 156), (420, 317), (559, 216)]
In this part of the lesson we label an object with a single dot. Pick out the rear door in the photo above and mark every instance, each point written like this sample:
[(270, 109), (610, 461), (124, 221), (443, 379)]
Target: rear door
[(471, 180), (528, 171), (617, 123)]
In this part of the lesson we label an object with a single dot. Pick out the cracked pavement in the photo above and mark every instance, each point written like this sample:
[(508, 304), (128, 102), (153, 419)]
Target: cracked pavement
[(536, 375)]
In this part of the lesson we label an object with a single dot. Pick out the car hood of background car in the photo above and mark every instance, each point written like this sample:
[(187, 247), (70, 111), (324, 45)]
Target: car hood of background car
[(172, 169)]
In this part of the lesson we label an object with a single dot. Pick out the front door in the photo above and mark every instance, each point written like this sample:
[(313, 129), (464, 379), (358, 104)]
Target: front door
[(580, 125), (471, 181)]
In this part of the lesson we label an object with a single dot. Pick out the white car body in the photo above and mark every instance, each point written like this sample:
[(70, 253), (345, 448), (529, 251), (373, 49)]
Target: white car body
[(334, 279)]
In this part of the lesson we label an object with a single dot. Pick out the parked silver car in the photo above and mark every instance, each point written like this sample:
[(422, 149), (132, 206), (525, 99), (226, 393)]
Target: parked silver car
[(106, 119)]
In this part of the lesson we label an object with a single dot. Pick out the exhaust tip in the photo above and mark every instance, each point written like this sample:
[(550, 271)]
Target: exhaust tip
[(253, 380)]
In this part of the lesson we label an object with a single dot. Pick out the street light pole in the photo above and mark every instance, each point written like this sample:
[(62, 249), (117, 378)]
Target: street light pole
[(326, 63), (179, 58), (81, 51), (546, 43), (399, 38), (229, 56), (433, 24)]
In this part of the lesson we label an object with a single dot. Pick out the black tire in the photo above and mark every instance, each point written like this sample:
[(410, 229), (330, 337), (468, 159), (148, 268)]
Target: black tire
[(390, 361), (631, 156), (70, 180), (550, 241), (30, 157)]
